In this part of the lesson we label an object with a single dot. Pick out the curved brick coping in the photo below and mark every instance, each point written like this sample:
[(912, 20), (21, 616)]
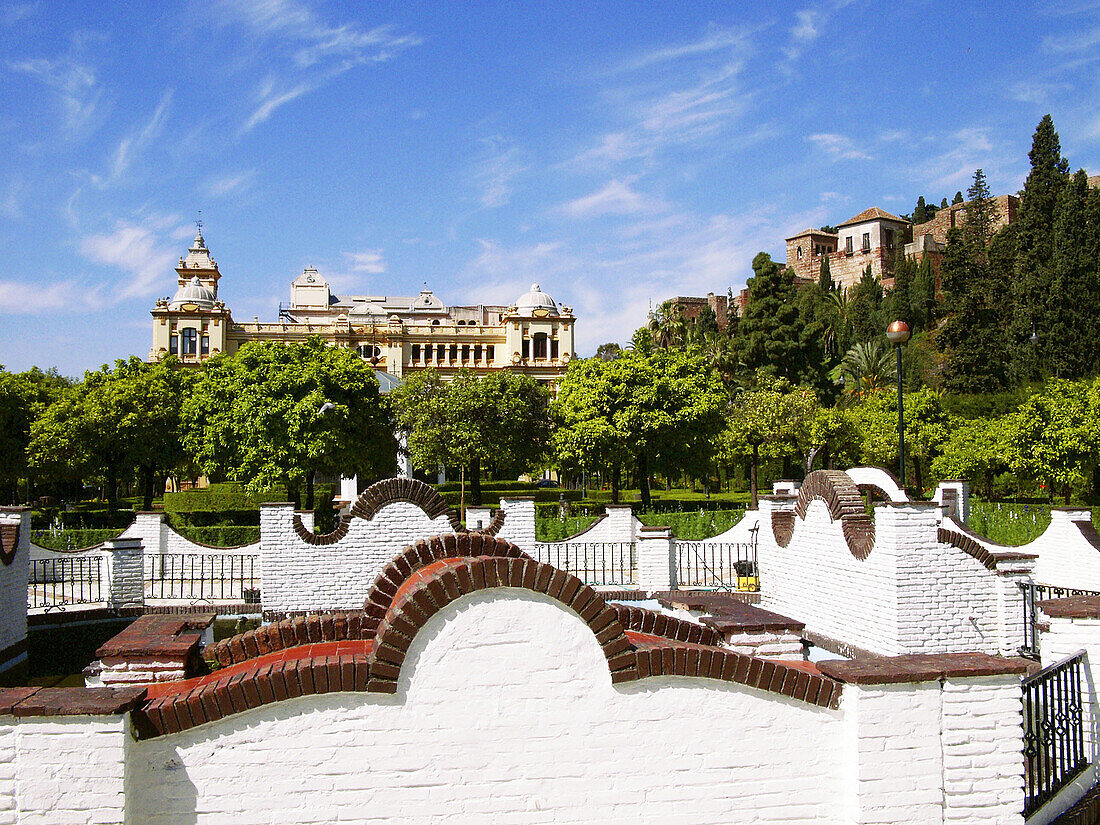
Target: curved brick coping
[(450, 579), (70, 701), (9, 542), (1089, 532), (293, 633), (972, 548), (495, 525), (925, 667), (1072, 607), (310, 537), (845, 503), (658, 624), (378, 495), (425, 552)]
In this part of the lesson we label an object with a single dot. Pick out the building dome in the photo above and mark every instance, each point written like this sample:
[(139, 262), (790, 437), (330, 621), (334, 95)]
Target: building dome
[(534, 299), (194, 294)]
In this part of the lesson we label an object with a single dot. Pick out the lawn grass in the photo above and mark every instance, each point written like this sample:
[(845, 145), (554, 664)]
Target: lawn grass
[(1010, 523)]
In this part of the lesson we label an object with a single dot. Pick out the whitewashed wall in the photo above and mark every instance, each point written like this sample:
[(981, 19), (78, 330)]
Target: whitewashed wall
[(911, 594), (541, 736), (298, 576), (13, 591)]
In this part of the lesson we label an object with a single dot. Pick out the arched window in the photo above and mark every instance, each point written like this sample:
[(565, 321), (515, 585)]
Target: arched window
[(799, 253), (174, 344), (368, 351), (539, 339), (435, 323), (189, 337)]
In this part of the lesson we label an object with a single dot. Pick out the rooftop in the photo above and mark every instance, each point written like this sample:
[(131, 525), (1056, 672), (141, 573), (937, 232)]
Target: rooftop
[(872, 214)]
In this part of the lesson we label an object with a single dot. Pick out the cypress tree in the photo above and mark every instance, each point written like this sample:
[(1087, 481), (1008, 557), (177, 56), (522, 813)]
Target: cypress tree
[(922, 295), (920, 214), (900, 300), (957, 199), (825, 278), (970, 333), (1033, 282), (1075, 285), (773, 335), (865, 308)]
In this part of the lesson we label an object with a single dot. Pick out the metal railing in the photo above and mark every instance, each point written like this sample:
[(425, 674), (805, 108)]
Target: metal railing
[(198, 577), (1034, 593), (1054, 730), (597, 563), (723, 566), (55, 583)]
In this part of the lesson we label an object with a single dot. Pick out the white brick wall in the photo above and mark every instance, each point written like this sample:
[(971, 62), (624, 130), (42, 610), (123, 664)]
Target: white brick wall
[(298, 576), (64, 770), (911, 594), (541, 736), (125, 572), (618, 525), (13, 586)]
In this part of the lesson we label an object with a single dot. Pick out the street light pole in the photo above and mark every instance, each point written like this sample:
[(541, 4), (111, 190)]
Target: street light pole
[(898, 334)]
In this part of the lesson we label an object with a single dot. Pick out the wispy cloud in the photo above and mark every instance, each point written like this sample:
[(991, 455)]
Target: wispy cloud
[(498, 165), (316, 51), (33, 298), (138, 251), (367, 261), (79, 94), (808, 26), (231, 184), (838, 147), (616, 198), (966, 150), (1072, 43), (672, 96), (1034, 91), (134, 144), (17, 13)]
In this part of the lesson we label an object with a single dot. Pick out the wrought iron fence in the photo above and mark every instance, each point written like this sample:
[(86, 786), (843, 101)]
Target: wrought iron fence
[(1034, 593), (1054, 731), (201, 577), (723, 566), (597, 563), (56, 583)]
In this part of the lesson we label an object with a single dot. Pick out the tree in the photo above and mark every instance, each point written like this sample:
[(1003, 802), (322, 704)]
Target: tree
[(971, 334), (608, 352), (957, 199), (475, 421), (1075, 303), (774, 335), (926, 427), (865, 307), (825, 276), (705, 326), (920, 213), (668, 325), (1052, 436), (658, 411), (976, 450), (758, 426), (23, 398), (257, 418), (868, 366), (922, 296), (898, 303), (1033, 283)]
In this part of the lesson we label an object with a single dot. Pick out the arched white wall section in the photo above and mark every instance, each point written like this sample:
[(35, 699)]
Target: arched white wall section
[(880, 480)]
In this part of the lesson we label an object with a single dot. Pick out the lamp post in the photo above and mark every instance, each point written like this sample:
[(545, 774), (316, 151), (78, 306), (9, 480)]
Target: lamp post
[(898, 334)]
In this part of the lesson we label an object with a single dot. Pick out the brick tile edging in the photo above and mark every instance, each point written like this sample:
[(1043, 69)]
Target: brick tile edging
[(9, 542), (660, 624), (841, 495)]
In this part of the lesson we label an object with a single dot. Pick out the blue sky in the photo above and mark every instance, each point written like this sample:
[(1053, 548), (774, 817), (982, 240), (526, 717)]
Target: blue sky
[(617, 153)]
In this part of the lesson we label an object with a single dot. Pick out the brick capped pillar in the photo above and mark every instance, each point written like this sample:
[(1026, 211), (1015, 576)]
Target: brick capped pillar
[(149, 526), (656, 559), (519, 521), (125, 573), (932, 739), (954, 495)]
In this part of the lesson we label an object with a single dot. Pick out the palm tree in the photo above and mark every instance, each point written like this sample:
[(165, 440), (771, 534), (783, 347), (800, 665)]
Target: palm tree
[(668, 325), (837, 326), (867, 367)]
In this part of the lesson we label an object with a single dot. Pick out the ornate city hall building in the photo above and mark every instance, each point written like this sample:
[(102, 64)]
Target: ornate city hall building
[(397, 335)]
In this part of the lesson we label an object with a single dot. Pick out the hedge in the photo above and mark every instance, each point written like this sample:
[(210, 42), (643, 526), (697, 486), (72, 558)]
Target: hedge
[(72, 539), (491, 498), (222, 536), (495, 486), (206, 501)]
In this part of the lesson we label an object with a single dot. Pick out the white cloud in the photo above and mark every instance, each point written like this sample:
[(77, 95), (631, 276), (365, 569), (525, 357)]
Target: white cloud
[(79, 93), (806, 28), (499, 164), (1077, 42), (17, 13), (315, 50), (616, 198), (838, 147), (968, 149), (270, 98), (23, 298), (368, 261), (134, 144), (230, 184), (138, 251)]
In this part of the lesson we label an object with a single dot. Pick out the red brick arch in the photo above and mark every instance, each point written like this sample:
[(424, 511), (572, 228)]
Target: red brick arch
[(844, 501)]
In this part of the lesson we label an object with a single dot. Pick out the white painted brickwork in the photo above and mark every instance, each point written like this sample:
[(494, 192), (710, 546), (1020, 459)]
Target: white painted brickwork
[(656, 561), (618, 525), (766, 645), (298, 576), (125, 565), (519, 522), (13, 586), (506, 714), (911, 594), (65, 771)]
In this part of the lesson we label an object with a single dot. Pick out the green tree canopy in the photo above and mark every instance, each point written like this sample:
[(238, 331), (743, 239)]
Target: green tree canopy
[(256, 417)]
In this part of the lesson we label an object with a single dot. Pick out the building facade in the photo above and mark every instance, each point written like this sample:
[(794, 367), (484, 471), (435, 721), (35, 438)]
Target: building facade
[(396, 334)]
